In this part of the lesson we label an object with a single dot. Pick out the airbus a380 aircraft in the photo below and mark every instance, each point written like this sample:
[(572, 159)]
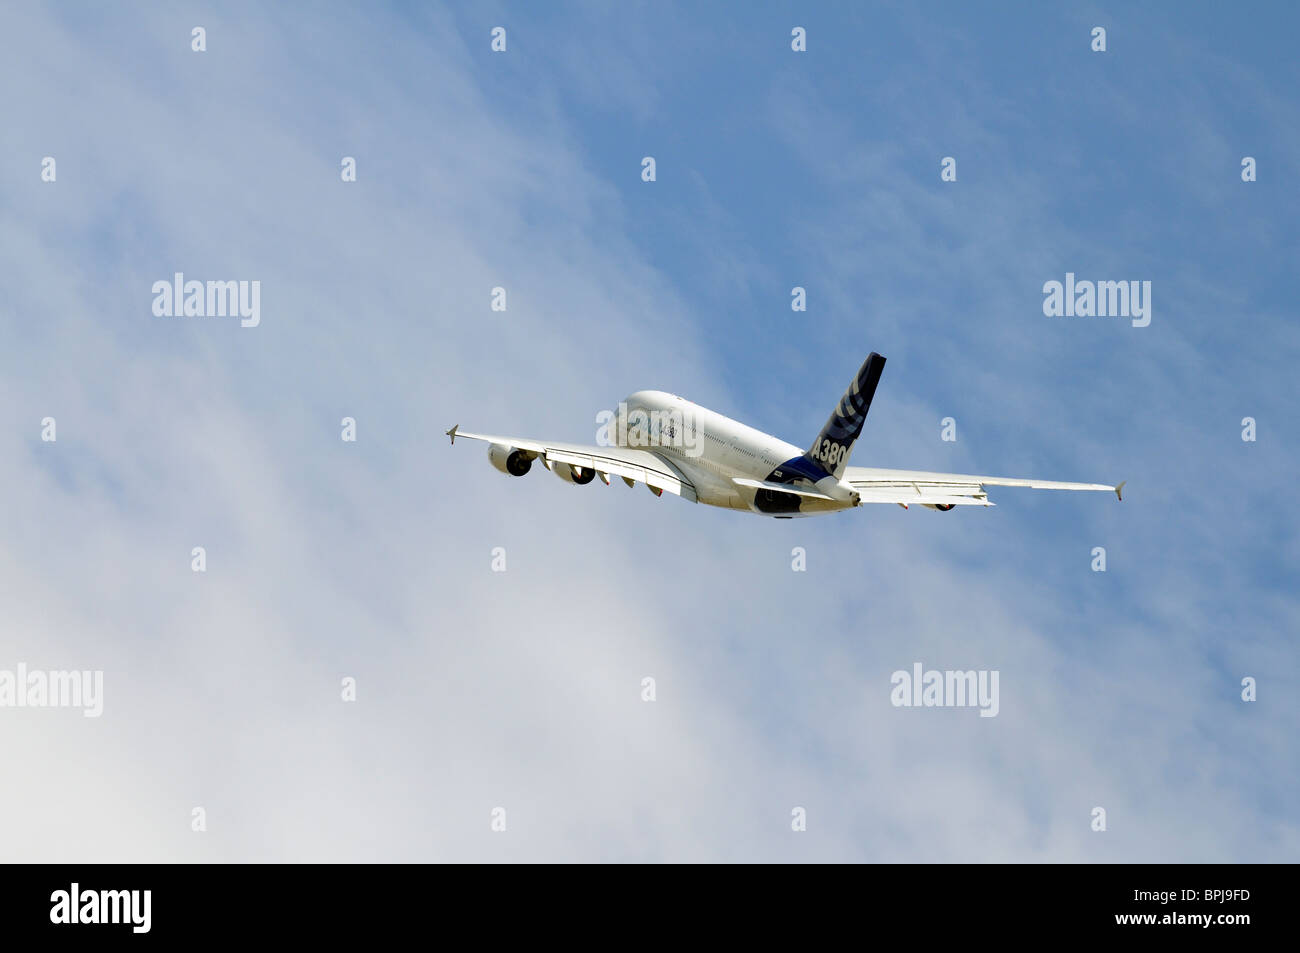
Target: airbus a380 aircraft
[(669, 443)]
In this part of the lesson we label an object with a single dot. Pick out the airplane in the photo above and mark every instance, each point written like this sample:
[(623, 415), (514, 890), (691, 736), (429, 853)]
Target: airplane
[(669, 443)]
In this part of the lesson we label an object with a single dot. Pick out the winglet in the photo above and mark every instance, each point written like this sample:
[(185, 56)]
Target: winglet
[(1119, 490), (452, 433)]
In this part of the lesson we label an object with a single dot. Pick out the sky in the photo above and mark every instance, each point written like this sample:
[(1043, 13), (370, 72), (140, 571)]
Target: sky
[(488, 699)]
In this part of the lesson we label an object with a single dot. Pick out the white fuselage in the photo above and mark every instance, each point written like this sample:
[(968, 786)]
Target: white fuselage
[(713, 450)]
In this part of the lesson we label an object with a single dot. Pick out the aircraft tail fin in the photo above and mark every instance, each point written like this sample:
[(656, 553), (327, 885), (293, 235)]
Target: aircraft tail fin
[(831, 449)]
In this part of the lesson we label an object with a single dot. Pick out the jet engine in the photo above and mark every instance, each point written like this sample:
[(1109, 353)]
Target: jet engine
[(509, 460), (571, 474)]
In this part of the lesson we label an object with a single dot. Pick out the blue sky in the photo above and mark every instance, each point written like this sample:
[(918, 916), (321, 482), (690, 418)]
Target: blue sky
[(522, 689)]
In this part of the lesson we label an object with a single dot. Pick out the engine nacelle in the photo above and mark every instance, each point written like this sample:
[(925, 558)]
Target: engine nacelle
[(509, 460), (572, 474)]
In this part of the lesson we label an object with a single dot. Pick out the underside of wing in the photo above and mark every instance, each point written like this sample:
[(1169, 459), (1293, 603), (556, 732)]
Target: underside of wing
[(934, 496), (944, 490), (640, 466)]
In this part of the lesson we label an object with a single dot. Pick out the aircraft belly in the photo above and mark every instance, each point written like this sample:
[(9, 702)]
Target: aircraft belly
[(711, 486)]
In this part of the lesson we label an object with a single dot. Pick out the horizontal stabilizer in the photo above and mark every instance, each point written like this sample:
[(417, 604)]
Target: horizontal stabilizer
[(781, 488)]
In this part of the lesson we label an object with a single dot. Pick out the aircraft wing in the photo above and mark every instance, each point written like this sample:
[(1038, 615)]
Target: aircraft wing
[(634, 466), (905, 487)]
